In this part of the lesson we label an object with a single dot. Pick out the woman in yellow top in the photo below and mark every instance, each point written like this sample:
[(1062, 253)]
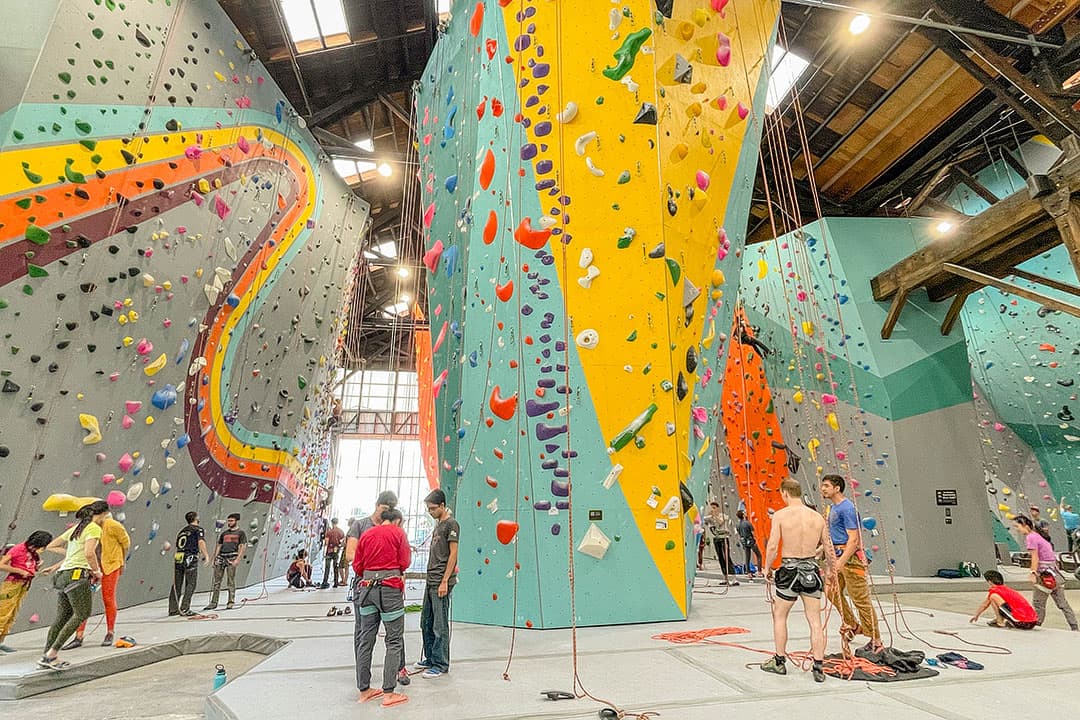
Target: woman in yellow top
[(78, 570), (114, 548)]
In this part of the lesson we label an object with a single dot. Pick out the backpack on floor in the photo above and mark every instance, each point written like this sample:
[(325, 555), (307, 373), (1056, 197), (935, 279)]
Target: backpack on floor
[(949, 573), (969, 569)]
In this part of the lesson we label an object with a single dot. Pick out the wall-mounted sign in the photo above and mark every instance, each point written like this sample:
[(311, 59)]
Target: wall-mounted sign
[(596, 515), (945, 497)]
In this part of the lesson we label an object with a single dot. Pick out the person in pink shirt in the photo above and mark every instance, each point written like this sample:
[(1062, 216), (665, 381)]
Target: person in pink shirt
[(1045, 575), (21, 565)]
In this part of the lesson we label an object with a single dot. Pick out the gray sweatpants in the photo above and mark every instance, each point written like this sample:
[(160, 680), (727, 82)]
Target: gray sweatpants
[(1038, 599), (384, 604)]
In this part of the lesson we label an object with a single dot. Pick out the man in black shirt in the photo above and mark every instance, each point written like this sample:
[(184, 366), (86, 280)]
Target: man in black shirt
[(227, 554), (441, 578), (190, 543)]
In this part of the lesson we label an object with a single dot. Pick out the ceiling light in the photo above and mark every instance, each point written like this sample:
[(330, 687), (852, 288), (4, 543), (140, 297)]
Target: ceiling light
[(403, 272), (944, 226), (859, 24), (385, 170), (405, 298)]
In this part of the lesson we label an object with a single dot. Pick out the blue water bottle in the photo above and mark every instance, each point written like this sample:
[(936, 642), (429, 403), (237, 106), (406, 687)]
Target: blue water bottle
[(220, 678)]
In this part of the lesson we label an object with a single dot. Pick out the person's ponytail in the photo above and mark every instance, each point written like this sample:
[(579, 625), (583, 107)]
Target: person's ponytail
[(85, 516)]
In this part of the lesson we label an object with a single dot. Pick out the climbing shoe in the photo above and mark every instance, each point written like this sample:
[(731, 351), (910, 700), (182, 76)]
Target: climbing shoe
[(776, 664), (818, 672)]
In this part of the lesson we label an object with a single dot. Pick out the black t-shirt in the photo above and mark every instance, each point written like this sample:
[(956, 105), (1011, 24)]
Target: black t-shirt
[(445, 532), (230, 541), (187, 543)]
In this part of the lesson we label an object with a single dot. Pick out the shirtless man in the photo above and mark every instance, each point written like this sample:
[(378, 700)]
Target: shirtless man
[(802, 531)]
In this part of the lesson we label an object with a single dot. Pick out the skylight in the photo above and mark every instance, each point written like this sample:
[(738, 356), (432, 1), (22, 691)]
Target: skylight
[(443, 8), (315, 24), (351, 170), (787, 68)]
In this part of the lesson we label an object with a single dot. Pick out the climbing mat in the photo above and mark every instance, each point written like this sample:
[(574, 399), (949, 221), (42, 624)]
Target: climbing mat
[(587, 174), (173, 253)]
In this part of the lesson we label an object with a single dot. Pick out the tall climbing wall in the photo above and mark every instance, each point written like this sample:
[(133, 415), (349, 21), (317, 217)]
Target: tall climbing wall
[(587, 172), (1024, 361), (173, 250), (897, 417)]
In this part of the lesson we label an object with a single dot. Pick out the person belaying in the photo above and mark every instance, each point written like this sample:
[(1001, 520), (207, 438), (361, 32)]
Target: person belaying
[(334, 537), (441, 578), (381, 559), (851, 573), (1010, 607), (113, 550), (21, 563), (190, 544), (228, 553), (1046, 578), (801, 531), (77, 573), (748, 542), (719, 532), (1071, 521)]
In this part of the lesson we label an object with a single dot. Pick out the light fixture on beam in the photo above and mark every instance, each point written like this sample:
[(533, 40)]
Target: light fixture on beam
[(859, 24), (944, 227), (403, 272), (385, 169)]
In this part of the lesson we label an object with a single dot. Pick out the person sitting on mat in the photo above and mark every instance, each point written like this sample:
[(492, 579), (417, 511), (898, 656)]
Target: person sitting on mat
[(1011, 609), (299, 573)]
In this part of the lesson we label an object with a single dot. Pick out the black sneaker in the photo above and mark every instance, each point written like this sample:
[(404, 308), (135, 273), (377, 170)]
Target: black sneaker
[(72, 644), (819, 674), (403, 677), (210, 607), (775, 664), (230, 606)]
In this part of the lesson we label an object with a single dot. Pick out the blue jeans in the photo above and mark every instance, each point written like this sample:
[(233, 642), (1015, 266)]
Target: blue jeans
[(435, 628)]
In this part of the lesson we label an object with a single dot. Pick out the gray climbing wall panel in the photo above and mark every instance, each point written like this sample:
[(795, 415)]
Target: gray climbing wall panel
[(174, 253)]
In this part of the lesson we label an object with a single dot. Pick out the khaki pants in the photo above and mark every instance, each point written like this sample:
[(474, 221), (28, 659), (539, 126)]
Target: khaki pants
[(11, 596), (852, 579)]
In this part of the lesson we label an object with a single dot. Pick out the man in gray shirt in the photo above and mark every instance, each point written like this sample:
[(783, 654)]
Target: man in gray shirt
[(441, 578)]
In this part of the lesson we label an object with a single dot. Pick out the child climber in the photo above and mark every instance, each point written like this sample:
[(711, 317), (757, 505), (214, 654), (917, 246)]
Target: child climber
[(21, 565)]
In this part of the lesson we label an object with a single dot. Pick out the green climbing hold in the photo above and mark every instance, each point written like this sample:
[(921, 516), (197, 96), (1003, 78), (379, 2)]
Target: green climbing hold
[(626, 54), (84, 127), (3, 304), (624, 177), (98, 33), (72, 174), (91, 79), (36, 271), (301, 381), (666, 385), (675, 270), (662, 466), (18, 134), (27, 290), (90, 145), (669, 545), (647, 369), (31, 175), (65, 77), (37, 235), (627, 434), (631, 337), (23, 203)]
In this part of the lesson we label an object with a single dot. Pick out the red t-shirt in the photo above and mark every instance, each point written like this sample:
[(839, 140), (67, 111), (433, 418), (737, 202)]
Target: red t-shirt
[(334, 538), (383, 547), (24, 559), (1021, 608)]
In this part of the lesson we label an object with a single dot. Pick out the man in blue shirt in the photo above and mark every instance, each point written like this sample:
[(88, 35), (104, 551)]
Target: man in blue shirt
[(851, 566), (1071, 521)]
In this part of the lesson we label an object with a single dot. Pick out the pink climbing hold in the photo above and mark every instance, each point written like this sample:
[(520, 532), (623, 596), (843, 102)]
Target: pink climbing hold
[(703, 180), (721, 102), (700, 414), (197, 198), (437, 385), (192, 152), (107, 478), (144, 347), (801, 296), (115, 498), (743, 111), (243, 144), (999, 427), (132, 406), (429, 215), (719, 5), (221, 208), (127, 422), (126, 462), (35, 619), (431, 257), (723, 49), (441, 338), (243, 102), (828, 399)]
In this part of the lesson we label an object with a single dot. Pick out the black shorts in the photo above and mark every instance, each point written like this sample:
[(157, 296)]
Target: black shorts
[(795, 578), (1006, 612)]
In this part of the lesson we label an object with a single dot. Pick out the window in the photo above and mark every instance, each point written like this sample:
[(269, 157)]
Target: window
[(787, 68), (352, 171), (315, 24), (443, 8)]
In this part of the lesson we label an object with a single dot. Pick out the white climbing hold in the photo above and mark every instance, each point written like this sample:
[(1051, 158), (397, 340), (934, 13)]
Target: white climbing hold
[(583, 141), (586, 258), (591, 274), (597, 172), (569, 113), (587, 339), (630, 84)]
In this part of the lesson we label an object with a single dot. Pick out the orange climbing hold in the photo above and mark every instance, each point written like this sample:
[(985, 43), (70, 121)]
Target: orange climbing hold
[(1047, 347), (487, 169), (491, 227), (504, 408), (505, 292), (477, 20), (506, 531), (530, 238)]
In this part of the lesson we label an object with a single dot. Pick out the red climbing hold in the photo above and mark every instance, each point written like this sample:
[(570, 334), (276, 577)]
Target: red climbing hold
[(429, 215), (532, 239), (491, 227), (431, 257), (505, 292), (487, 169), (492, 47), (506, 531), (492, 482), (481, 108), (477, 20), (496, 107), (504, 408)]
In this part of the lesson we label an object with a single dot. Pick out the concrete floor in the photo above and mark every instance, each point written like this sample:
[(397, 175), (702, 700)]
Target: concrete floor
[(314, 673)]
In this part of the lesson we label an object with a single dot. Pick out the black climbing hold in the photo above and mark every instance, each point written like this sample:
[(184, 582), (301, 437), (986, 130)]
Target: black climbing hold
[(133, 271), (171, 125), (128, 157), (71, 325), (672, 207), (91, 347), (53, 367), (84, 242), (60, 296), (4, 451), (143, 40), (646, 115), (691, 360), (657, 252), (62, 344), (681, 388), (663, 7), (9, 387), (113, 249), (94, 315), (1067, 382), (684, 71), (35, 358), (81, 194), (36, 407)]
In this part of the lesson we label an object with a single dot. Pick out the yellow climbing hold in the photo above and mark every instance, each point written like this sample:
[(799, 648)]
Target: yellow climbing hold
[(808, 328), (1006, 491), (122, 319), (89, 423), (204, 185), (812, 447), (706, 342), (1003, 507), (153, 368), (762, 269), (798, 397), (62, 502), (219, 76), (833, 422), (704, 447), (132, 316), (127, 340), (718, 278)]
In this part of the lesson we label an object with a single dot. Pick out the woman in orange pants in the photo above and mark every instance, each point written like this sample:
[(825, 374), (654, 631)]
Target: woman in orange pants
[(114, 548)]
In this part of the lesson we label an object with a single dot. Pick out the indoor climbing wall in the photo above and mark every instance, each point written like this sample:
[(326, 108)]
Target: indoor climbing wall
[(896, 417), (587, 177), (1024, 361), (173, 250)]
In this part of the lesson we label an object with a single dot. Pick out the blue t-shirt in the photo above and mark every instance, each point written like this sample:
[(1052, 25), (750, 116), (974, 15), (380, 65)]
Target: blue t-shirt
[(1070, 519), (842, 517)]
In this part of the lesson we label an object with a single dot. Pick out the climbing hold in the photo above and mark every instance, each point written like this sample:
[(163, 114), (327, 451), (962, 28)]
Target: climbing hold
[(506, 531), (62, 502), (568, 114), (623, 438), (503, 408), (115, 498), (153, 368), (587, 339), (487, 169), (490, 228), (89, 423), (530, 238), (626, 54)]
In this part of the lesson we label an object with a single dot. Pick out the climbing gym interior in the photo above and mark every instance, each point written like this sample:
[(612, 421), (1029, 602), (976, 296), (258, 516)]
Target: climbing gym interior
[(606, 274)]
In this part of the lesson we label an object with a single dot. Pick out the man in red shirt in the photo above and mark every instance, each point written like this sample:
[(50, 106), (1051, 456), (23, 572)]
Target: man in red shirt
[(334, 538), (382, 556), (1010, 607)]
